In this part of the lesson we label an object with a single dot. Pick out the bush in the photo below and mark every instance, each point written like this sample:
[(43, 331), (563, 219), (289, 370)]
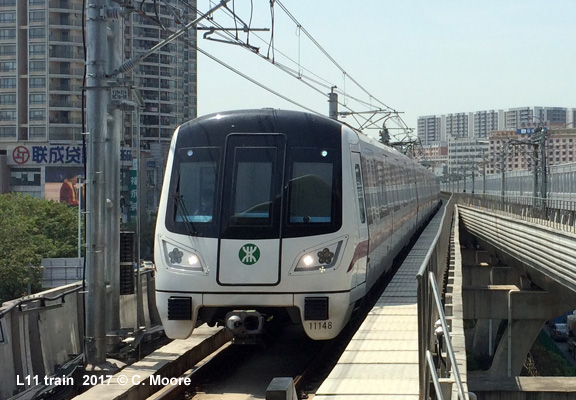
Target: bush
[(32, 229)]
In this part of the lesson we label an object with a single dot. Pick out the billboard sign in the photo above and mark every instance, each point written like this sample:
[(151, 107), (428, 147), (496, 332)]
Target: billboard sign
[(37, 155), (42, 154), (525, 131), (133, 188), (62, 184)]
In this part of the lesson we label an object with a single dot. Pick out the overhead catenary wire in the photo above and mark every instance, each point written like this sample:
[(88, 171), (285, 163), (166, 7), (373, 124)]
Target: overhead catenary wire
[(329, 86), (326, 53), (254, 81), (314, 84), (296, 74), (234, 37), (236, 40)]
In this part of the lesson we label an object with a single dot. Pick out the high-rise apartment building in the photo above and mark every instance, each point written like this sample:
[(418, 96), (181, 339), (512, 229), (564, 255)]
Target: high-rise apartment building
[(479, 124), (41, 60), (429, 129), (466, 135), (458, 125), (41, 99), (528, 117), (486, 122), (167, 83)]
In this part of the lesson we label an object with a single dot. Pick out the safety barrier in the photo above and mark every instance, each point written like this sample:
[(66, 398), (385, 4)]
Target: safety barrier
[(433, 336)]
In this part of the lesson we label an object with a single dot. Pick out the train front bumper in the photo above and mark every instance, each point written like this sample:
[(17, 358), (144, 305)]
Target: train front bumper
[(323, 315)]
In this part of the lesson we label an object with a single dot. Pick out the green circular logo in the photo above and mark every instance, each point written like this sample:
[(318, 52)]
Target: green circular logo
[(249, 254)]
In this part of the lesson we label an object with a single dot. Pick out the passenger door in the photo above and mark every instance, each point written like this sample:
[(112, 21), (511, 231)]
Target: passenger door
[(363, 244)]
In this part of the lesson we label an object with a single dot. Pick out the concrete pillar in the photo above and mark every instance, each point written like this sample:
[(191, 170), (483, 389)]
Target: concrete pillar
[(527, 313), (514, 346), (484, 336)]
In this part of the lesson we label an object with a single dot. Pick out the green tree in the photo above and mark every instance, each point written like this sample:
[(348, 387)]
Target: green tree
[(30, 230)]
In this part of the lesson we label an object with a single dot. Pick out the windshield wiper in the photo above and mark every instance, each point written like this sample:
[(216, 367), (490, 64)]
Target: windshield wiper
[(183, 212)]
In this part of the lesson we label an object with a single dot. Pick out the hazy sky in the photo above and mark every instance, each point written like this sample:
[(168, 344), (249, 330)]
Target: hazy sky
[(418, 57)]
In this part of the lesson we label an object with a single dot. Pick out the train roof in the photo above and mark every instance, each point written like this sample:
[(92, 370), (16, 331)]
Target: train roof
[(265, 117), (273, 120)]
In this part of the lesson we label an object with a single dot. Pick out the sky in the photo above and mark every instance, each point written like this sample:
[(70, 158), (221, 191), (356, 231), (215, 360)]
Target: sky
[(417, 57)]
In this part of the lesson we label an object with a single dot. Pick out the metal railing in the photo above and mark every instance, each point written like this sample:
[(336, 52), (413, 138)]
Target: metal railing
[(554, 212), (430, 309)]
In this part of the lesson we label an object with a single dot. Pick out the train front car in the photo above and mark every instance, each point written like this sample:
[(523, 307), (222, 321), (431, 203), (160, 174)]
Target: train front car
[(251, 225)]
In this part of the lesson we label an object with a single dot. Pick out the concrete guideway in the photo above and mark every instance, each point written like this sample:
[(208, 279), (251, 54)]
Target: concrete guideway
[(381, 361), (486, 284), (521, 273), (170, 361), (547, 253)]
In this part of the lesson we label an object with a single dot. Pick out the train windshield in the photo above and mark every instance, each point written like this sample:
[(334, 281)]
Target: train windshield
[(255, 186), (312, 190), (194, 197)]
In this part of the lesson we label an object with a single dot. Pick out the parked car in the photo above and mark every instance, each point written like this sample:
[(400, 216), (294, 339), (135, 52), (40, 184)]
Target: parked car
[(559, 332)]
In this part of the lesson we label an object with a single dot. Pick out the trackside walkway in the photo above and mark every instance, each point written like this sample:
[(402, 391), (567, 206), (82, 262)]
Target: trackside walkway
[(381, 360)]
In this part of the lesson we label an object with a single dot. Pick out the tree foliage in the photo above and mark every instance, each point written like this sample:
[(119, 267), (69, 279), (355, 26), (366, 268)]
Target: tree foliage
[(30, 230)]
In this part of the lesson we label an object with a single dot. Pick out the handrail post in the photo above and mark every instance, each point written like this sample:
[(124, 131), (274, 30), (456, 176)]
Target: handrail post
[(449, 347)]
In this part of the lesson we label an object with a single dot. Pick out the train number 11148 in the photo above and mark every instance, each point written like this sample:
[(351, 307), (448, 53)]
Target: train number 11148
[(321, 325)]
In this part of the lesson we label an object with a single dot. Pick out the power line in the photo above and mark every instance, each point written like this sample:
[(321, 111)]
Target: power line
[(314, 84), (327, 54), (297, 75), (254, 81)]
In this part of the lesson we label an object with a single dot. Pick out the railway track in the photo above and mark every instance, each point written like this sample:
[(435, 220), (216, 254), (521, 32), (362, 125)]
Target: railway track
[(239, 372), (244, 372)]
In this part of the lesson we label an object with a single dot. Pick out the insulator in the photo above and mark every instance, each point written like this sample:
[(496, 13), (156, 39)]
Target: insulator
[(127, 66), (116, 12)]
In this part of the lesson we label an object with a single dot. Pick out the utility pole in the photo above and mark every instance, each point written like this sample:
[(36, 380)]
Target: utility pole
[(112, 171), (483, 174), (104, 124), (544, 189), (502, 171), (535, 144), (473, 175), (97, 102)]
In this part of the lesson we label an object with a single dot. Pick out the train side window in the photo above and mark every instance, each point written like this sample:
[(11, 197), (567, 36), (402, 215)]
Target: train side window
[(360, 192), (382, 184), (312, 191)]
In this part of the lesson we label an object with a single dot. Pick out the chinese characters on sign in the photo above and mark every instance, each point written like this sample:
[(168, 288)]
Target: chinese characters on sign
[(133, 187), (37, 155), (45, 155)]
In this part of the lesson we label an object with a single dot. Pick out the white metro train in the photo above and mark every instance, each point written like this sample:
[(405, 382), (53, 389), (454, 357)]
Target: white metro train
[(283, 215)]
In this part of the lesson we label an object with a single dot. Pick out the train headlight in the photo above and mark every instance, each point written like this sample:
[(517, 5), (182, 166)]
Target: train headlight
[(180, 257), (308, 260), (194, 261), (321, 258)]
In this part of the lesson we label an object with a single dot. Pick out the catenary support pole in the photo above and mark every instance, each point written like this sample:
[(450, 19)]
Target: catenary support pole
[(96, 159), (112, 174), (333, 104), (543, 163)]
